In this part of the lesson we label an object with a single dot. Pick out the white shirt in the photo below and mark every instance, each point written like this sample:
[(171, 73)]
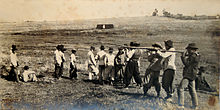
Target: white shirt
[(14, 59), (59, 56), (130, 54), (26, 74), (100, 57), (169, 59), (73, 59), (109, 59), (91, 58)]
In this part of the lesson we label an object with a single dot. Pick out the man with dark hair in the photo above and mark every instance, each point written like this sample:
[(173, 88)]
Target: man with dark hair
[(73, 68), (153, 70), (110, 70), (13, 74), (169, 68), (190, 60), (28, 75), (100, 58), (59, 60), (132, 67)]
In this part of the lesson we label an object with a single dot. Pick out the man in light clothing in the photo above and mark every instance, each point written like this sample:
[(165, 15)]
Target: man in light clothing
[(13, 74), (28, 75), (169, 68), (92, 63), (110, 72), (73, 68), (100, 58), (59, 60)]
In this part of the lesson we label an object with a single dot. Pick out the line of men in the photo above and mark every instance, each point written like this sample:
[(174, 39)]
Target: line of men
[(125, 65), (160, 60)]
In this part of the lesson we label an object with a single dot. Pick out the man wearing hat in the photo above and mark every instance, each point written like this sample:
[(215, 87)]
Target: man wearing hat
[(13, 74), (153, 70), (100, 58), (190, 60), (59, 60), (110, 71), (169, 68), (132, 67), (119, 63), (73, 68)]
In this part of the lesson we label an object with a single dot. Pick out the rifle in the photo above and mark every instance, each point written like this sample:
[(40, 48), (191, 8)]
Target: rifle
[(153, 49)]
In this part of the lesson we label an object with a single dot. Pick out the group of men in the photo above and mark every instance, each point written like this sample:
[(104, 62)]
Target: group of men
[(127, 61), (110, 68), (14, 74)]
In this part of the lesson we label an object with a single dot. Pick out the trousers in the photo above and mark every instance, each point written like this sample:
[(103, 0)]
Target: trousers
[(167, 81), (154, 81), (132, 69), (58, 70), (192, 91)]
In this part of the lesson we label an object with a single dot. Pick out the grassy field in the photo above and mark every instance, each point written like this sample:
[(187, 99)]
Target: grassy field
[(36, 42)]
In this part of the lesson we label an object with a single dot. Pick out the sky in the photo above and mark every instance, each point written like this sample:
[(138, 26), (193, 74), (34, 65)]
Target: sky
[(58, 10)]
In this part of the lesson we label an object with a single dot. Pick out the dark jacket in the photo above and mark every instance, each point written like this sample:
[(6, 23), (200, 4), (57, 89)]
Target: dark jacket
[(155, 62), (191, 63)]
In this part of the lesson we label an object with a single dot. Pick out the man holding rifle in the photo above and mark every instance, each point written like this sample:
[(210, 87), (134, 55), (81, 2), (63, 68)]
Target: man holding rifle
[(190, 60), (132, 67), (169, 68), (153, 70)]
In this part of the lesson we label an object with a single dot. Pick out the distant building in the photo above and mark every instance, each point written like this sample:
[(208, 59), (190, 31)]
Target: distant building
[(104, 26)]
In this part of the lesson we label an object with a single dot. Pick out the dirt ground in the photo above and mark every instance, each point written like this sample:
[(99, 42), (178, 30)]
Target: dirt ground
[(36, 42)]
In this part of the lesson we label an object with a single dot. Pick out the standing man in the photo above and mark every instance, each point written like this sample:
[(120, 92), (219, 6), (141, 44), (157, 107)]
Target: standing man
[(59, 60), (154, 70), (110, 71), (13, 74), (92, 69), (73, 68), (119, 63), (100, 58), (169, 68), (132, 68), (190, 60)]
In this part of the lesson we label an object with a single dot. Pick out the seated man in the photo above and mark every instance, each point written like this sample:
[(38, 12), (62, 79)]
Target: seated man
[(28, 75), (201, 83)]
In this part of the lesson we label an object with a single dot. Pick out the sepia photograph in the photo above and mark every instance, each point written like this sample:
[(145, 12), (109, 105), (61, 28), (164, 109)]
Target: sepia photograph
[(109, 54)]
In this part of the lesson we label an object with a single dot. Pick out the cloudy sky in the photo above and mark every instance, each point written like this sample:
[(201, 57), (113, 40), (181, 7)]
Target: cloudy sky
[(51, 10)]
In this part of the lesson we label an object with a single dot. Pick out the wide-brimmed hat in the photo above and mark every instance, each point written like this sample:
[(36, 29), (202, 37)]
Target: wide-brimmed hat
[(58, 47), (169, 43), (62, 48), (157, 44), (13, 47), (102, 47), (192, 46)]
